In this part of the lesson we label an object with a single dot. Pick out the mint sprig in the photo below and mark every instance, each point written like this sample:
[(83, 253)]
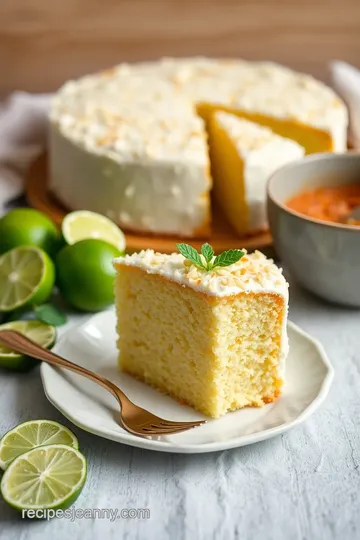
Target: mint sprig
[(190, 254), (208, 252), (226, 258)]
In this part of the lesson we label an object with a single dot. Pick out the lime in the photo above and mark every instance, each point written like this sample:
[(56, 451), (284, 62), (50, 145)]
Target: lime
[(32, 434), (27, 277), (81, 225), (46, 477), (41, 333), (86, 275), (28, 227)]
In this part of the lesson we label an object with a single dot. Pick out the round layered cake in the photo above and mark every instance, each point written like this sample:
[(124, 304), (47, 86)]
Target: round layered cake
[(132, 142)]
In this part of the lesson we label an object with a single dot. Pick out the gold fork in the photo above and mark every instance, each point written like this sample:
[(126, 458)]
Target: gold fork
[(133, 419)]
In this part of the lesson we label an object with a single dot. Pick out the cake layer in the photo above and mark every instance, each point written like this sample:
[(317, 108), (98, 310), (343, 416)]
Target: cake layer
[(243, 156), (142, 128), (214, 340)]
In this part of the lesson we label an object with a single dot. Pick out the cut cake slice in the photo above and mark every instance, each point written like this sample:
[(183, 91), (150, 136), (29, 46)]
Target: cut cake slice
[(243, 156), (215, 340)]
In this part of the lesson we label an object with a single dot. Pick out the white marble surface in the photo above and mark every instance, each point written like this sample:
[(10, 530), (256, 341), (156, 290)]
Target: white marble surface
[(304, 485)]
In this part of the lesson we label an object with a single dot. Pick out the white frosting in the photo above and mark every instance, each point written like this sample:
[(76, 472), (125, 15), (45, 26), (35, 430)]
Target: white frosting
[(146, 110), (135, 126), (129, 127), (262, 152), (168, 196), (252, 273)]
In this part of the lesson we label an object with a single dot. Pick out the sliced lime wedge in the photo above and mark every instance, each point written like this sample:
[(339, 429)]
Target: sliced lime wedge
[(27, 277), (41, 333), (46, 477), (32, 434), (82, 225)]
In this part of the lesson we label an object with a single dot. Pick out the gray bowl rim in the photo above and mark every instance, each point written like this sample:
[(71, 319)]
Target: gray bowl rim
[(351, 154)]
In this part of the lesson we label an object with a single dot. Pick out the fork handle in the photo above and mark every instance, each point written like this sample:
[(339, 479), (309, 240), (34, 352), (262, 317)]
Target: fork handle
[(21, 344)]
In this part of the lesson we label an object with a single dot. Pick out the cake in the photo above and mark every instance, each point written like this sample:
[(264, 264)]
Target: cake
[(131, 142), (243, 157), (214, 338)]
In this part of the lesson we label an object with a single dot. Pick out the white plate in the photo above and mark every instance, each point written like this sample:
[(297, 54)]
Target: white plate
[(92, 345)]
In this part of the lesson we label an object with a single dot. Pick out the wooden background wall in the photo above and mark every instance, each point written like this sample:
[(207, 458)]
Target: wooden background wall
[(44, 42)]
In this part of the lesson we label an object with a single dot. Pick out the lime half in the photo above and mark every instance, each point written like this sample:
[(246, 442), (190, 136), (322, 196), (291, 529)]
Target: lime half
[(46, 477), (27, 277), (32, 434), (82, 225), (41, 333)]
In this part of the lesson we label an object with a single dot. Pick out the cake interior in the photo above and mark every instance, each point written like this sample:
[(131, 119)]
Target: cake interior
[(227, 169), (311, 138), (216, 354)]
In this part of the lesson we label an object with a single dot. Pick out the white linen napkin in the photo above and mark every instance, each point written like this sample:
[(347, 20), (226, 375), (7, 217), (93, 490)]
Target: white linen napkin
[(346, 82), (23, 127)]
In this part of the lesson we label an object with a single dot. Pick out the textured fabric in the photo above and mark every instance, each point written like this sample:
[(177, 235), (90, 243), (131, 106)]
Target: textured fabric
[(346, 81), (23, 126)]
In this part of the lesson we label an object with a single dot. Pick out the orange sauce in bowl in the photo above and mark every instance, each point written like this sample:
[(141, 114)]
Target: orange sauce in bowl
[(332, 204)]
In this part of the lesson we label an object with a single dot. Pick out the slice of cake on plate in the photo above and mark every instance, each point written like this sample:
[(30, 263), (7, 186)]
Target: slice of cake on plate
[(211, 332), (243, 156)]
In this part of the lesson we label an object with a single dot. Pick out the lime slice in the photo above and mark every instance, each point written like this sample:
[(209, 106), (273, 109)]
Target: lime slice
[(32, 434), (41, 333), (27, 277), (81, 225), (46, 477)]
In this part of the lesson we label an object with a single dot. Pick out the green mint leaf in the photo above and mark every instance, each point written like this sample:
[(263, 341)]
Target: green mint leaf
[(228, 257), (207, 251), (190, 254), (50, 314)]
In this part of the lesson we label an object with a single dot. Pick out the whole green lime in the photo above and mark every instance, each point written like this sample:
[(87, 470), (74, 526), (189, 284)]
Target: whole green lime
[(28, 227), (86, 275)]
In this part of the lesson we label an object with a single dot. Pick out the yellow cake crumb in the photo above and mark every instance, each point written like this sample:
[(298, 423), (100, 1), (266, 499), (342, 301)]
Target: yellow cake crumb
[(215, 340)]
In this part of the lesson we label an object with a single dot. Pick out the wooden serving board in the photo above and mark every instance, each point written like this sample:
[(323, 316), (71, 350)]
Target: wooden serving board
[(222, 237)]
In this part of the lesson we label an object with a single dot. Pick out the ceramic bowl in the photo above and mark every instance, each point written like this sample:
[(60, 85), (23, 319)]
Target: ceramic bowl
[(324, 257)]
